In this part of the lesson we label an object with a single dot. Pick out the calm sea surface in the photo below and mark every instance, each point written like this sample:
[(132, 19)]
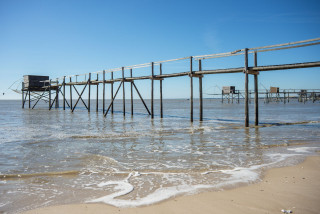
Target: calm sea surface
[(58, 157)]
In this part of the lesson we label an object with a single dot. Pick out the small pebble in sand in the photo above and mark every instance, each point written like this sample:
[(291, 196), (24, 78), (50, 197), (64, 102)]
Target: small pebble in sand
[(286, 211)]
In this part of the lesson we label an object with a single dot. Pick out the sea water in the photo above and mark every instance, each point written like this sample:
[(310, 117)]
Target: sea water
[(58, 157)]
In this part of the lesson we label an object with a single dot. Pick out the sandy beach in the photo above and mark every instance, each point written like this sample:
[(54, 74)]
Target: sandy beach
[(295, 188)]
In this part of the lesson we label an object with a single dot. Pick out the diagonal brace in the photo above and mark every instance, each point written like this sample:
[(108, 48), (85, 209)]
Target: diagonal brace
[(80, 96), (55, 99), (105, 114), (38, 99), (65, 99), (141, 98)]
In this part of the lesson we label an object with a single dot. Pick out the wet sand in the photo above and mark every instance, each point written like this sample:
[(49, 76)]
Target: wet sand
[(295, 188)]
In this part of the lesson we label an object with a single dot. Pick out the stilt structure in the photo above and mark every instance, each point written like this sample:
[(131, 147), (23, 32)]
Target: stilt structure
[(48, 87)]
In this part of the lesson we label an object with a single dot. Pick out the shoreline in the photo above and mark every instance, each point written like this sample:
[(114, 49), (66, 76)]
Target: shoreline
[(295, 188)]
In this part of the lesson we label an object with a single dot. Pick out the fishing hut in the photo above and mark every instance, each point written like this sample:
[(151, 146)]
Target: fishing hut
[(230, 93), (36, 88), (43, 87)]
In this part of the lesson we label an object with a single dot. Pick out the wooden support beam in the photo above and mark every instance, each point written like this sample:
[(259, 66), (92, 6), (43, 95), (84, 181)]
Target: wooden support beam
[(57, 95), (88, 82), (131, 88), (22, 92), (70, 94), (141, 98), (123, 94), (157, 78), (25, 99), (113, 98), (191, 90), (39, 98), (246, 108), (49, 93), (64, 93), (256, 91), (200, 93), (196, 75), (29, 99), (112, 92), (80, 97), (97, 98), (63, 96), (152, 91), (161, 104), (56, 99), (104, 91), (89, 91)]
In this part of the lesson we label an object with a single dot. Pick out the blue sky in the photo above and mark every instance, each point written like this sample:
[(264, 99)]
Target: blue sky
[(57, 38)]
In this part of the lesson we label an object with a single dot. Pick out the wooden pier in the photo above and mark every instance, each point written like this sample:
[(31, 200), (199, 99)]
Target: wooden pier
[(51, 89)]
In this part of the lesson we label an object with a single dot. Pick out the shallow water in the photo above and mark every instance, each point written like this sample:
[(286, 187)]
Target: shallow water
[(58, 157)]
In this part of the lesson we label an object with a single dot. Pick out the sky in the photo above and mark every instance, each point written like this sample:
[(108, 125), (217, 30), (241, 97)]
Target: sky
[(58, 37)]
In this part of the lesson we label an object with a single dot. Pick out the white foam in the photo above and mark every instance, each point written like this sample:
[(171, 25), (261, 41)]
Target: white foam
[(303, 149), (156, 196)]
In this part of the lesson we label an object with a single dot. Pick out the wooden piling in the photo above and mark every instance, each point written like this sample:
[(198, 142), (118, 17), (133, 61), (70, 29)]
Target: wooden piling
[(232, 97), (64, 93), (161, 104), (200, 92), (191, 90), (313, 97), (256, 92), (246, 108), (29, 99), (89, 91), (152, 91), (49, 94), (111, 92), (57, 94), (70, 93), (97, 98), (22, 92), (222, 96), (104, 91), (123, 94), (131, 89)]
